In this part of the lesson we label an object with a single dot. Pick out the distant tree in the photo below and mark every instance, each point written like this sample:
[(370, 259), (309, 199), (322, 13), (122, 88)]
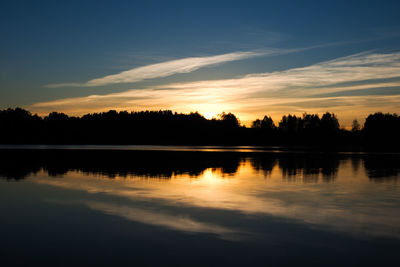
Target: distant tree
[(57, 117), (229, 119), (310, 121), (385, 124), (290, 124), (196, 115), (382, 130), (256, 124), (266, 123), (355, 126), (15, 115), (329, 122)]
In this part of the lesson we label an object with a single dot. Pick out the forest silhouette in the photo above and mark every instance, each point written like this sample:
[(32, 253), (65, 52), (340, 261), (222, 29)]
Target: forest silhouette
[(18, 126)]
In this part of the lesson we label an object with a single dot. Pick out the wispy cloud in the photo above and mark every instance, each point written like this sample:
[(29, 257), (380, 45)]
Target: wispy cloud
[(310, 79), (158, 218), (295, 90), (167, 68)]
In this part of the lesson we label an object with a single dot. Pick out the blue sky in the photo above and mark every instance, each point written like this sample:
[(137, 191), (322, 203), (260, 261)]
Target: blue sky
[(248, 57)]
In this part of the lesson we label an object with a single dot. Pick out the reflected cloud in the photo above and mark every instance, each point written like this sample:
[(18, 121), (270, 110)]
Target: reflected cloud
[(330, 192), (159, 218), (341, 206)]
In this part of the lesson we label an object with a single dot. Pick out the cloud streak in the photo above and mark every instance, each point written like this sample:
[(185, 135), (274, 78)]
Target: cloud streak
[(310, 79), (167, 68), (295, 90)]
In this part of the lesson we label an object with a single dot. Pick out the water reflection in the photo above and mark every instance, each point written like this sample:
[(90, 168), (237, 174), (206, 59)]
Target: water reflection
[(382, 168), (264, 201), (227, 181), (310, 167)]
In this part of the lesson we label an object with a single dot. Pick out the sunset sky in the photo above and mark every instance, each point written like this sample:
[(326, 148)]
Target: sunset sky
[(250, 58)]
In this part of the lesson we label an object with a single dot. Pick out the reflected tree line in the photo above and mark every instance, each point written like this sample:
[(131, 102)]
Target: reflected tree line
[(18, 126), (311, 167)]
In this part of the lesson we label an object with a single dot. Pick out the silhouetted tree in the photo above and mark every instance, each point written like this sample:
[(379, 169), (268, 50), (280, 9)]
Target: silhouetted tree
[(329, 122), (229, 119), (256, 124), (310, 121), (382, 130), (266, 123), (290, 124), (355, 126)]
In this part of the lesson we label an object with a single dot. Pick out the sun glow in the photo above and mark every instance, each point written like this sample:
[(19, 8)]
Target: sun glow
[(209, 115), (342, 86)]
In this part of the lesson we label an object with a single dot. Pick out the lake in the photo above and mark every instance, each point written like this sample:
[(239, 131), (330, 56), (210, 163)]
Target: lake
[(208, 206)]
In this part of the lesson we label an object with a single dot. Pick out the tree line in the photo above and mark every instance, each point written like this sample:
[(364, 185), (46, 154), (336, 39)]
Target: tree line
[(164, 127)]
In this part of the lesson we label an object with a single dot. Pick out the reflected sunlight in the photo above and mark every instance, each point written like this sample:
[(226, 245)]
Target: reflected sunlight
[(300, 196)]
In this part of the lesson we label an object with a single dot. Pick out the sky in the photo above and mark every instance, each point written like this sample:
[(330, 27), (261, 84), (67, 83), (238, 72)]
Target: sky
[(251, 58)]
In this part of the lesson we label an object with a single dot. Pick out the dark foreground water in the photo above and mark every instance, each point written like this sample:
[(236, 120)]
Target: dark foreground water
[(91, 207)]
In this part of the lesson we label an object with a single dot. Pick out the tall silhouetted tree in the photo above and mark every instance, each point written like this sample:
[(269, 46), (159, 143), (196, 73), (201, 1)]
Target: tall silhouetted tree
[(329, 122), (290, 124), (310, 121), (382, 130), (229, 120), (266, 123), (355, 126)]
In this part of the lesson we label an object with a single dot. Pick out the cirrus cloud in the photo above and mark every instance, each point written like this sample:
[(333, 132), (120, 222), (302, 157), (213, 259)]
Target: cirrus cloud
[(167, 68), (351, 86)]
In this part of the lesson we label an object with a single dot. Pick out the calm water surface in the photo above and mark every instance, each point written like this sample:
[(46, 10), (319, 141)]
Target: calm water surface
[(201, 208)]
